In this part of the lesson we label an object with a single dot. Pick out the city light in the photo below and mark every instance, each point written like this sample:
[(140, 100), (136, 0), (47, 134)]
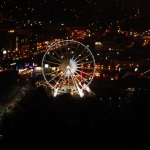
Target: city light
[(46, 65)]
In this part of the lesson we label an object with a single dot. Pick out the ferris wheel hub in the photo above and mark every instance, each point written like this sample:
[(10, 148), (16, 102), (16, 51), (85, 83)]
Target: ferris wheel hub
[(68, 67)]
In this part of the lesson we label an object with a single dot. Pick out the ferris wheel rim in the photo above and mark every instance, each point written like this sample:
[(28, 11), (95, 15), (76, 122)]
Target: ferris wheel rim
[(59, 42)]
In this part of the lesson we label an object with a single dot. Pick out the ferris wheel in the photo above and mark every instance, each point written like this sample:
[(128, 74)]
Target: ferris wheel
[(68, 66)]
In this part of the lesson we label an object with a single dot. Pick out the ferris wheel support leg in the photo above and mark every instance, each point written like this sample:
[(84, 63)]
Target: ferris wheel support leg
[(79, 90), (76, 84), (55, 92)]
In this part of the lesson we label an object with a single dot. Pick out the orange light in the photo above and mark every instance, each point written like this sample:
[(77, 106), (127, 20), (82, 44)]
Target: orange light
[(35, 65)]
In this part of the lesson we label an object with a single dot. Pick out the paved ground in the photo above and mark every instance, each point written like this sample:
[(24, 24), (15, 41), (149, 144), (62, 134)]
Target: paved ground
[(11, 98)]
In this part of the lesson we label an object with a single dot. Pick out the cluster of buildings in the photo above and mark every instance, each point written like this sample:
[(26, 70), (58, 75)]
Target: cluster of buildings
[(113, 49)]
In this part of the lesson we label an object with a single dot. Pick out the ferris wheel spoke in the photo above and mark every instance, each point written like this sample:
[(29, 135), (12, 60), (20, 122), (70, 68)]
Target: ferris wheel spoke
[(74, 82), (70, 49), (84, 72), (85, 68), (50, 73), (52, 62), (82, 77), (61, 52), (79, 54), (83, 58), (87, 62), (58, 55), (53, 78), (70, 52), (57, 82), (77, 80), (68, 81), (63, 79), (76, 49), (53, 58), (66, 53)]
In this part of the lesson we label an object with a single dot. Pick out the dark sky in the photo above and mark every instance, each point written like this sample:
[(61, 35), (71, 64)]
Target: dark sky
[(73, 12)]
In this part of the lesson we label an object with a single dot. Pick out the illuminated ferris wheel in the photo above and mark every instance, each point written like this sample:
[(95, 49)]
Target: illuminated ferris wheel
[(68, 66)]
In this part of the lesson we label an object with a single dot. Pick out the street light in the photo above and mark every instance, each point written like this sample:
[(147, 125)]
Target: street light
[(4, 51)]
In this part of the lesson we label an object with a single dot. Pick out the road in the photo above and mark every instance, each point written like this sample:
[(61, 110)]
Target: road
[(9, 102)]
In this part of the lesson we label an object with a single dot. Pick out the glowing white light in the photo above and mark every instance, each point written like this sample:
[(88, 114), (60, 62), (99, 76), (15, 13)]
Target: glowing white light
[(4, 51), (55, 92), (46, 65), (81, 93)]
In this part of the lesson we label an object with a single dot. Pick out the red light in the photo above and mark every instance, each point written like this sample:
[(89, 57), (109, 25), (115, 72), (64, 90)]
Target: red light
[(127, 34)]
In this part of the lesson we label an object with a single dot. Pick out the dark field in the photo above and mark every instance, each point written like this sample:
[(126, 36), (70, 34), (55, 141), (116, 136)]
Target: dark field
[(64, 122)]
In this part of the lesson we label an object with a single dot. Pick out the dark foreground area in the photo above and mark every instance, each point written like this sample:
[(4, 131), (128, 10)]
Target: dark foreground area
[(65, 123)]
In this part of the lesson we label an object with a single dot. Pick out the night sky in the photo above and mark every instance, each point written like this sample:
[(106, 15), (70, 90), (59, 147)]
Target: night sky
[(94, 13)]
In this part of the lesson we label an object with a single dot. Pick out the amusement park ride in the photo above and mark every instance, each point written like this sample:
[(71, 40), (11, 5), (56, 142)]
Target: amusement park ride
[(74, 67)]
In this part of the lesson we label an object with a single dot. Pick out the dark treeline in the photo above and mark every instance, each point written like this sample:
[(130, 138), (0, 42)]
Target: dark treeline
[(66, 122)]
